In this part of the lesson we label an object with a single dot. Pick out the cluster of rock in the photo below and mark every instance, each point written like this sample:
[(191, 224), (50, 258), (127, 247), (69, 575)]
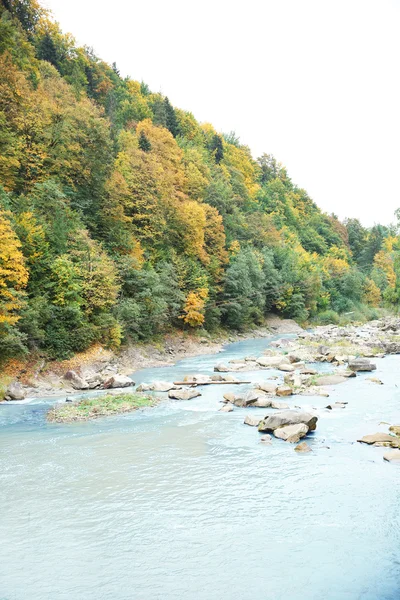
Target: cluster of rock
[(373, 339), (288, 425), (386, 440), (97, 381)]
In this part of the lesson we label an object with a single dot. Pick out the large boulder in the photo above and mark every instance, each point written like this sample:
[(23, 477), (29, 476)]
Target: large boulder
[(118, 381), (288, 417), (77, 382), (361, 364), (183, 394), (392, 456), (15, 391), (291, 433)]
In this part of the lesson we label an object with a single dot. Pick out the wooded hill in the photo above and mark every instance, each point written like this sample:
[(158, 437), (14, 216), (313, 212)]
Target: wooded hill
[(121, 216)]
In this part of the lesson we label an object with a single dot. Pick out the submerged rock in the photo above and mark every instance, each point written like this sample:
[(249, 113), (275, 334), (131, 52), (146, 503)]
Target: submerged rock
[(266, 439), (392, 456), (291, 433), (183, 394), (375, 380), (226, 408), (302, 448)]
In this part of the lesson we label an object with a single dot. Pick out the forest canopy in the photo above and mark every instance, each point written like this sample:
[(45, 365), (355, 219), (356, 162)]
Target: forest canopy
[(122, 216)]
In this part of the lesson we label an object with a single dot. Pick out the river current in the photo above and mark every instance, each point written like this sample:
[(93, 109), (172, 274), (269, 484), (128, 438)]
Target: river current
[(184, 502)]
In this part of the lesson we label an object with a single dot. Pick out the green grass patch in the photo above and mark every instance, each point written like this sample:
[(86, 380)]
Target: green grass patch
[(99, 406)]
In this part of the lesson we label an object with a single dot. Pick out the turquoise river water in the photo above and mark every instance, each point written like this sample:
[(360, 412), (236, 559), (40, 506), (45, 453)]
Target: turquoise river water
[(184, 502)]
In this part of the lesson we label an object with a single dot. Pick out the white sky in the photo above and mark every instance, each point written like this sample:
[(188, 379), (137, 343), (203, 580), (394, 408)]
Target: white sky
[(314, 82)]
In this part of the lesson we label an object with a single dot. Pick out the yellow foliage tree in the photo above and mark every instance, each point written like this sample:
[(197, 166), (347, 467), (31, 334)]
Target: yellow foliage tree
[(13, 274), (372, 294), (194, 308)]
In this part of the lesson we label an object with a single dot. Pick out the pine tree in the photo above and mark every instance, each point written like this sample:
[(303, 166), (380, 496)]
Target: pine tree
[(171, 120), (217, 148), (47, 50), (144, 142)]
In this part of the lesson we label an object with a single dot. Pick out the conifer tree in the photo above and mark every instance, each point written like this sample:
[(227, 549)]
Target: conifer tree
[(144, 142), (171, 120)]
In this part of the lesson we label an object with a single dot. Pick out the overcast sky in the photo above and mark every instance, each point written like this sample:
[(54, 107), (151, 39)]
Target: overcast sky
[(314, 82)]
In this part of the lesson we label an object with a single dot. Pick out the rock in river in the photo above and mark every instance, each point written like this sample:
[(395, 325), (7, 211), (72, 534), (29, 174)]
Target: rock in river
[(330, 380), (118, 381), (15, 391), (291, 433), (183, 394), (380, 439), (267, 386), (252, 421), (392, 456), (361, 364), (303, 447), (226, 408), (76, 381), (156, 386), (284, 390), (288, 417), (395, 429)]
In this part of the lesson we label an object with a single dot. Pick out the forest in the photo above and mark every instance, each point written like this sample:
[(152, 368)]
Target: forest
[(123, 217)]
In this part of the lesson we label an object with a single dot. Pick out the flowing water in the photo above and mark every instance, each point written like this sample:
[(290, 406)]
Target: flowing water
[(184, 502)]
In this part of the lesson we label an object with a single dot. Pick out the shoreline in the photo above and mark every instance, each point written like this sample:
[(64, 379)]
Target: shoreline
[(46, 379)]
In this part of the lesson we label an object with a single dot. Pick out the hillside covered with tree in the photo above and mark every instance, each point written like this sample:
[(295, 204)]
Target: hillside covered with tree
[(122, 217)]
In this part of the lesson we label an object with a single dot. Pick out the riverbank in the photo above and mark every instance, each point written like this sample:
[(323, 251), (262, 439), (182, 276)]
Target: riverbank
[(39, 377)]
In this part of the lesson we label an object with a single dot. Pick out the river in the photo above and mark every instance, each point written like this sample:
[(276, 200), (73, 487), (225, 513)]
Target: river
[(184, 502)]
